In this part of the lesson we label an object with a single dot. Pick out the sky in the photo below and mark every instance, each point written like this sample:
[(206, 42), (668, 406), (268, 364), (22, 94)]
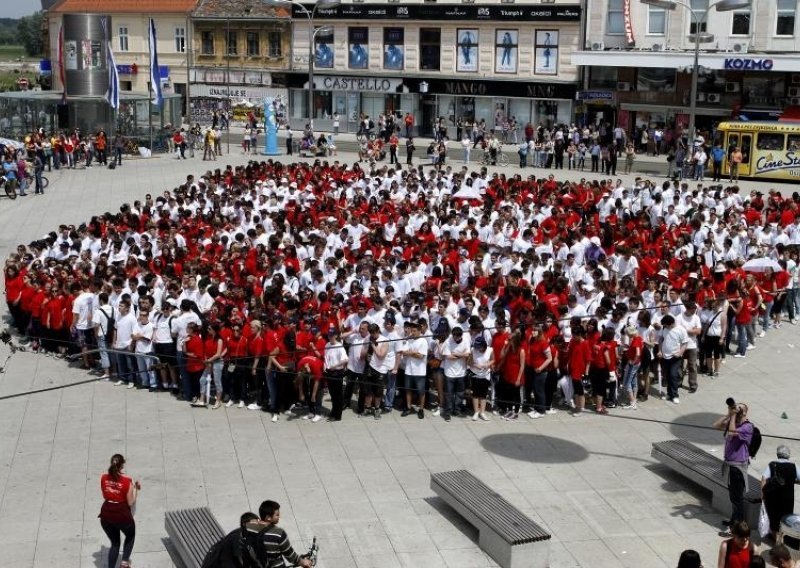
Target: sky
[(19, 8)]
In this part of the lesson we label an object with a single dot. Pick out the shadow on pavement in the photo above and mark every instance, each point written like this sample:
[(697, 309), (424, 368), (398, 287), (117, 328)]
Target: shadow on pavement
[(534, 448), (703, 435)]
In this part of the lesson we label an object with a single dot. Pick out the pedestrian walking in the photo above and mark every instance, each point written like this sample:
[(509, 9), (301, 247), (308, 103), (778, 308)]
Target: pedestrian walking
[(116, 515)]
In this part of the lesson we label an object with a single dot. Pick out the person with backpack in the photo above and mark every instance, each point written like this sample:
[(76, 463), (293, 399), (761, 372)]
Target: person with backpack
[(738, 432), (738, 550), (269, 541), (233, 550), (103, 320), (777, 488)]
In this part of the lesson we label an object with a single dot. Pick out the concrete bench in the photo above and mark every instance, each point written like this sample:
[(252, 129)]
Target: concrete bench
[(506, 534), (705, 470), (192, 533)]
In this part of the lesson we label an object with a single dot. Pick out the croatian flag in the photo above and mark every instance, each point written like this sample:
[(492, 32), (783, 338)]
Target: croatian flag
[(112, 94), (155, 75)]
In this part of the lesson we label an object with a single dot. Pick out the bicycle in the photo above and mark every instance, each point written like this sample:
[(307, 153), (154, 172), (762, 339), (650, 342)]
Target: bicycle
[(501, 160), (9, 186), (32, 180)]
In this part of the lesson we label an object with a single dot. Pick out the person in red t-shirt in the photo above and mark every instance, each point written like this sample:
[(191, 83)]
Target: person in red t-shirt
[(539, 358), (195, 361), (119, 495), (512, 376), (601, 367), (781, 286), (579, 356), (309, 369), (633, 355)]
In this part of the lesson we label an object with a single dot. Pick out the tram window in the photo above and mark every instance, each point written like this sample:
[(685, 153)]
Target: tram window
[(733, 140), (794, 143), (769, 141)]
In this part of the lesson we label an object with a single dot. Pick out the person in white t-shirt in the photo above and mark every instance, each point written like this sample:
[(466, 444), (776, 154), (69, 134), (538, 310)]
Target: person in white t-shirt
[(381, 361), (123, 331), (690, 321), (455, 352), (82, 312), (336, 361), (480, 364), (142, 337), (415, 355)]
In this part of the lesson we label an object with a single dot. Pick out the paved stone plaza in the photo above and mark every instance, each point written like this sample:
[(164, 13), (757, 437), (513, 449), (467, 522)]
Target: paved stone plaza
[(360, 486)]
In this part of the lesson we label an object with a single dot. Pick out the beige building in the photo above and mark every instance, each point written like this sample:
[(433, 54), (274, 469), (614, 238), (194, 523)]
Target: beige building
[(129, 21), (240, 52)]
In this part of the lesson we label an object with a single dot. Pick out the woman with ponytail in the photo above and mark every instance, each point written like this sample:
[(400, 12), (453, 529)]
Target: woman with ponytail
[(119, 495)]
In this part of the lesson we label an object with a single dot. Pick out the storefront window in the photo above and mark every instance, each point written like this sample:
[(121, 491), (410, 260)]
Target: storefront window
[(430, 45), (520, 109), (323, 50), (394, 49), (765, 89), (603, 78), (655, 79), (323, 104), (358, 55)]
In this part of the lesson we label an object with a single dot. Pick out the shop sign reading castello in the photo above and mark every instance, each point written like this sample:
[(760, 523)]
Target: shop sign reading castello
[(378, 85)]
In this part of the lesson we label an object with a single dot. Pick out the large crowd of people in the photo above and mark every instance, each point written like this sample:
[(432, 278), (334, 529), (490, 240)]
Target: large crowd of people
[(260, 286)]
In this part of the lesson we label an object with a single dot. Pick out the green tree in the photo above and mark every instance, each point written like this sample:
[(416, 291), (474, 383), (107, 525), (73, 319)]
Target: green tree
[(29, 34)]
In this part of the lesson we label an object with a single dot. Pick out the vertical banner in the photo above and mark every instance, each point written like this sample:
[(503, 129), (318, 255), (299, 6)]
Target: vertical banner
[(626, 15), (157, 97), (270, 128)]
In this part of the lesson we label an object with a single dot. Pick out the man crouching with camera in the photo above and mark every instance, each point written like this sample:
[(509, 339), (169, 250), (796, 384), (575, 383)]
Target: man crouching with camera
[(738, 432)]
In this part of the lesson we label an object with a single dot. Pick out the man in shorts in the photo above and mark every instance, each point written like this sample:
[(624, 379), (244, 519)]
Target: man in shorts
[(416, 359), (381, 361)]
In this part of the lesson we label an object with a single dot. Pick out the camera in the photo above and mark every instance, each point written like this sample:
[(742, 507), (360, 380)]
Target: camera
[(730, 402)]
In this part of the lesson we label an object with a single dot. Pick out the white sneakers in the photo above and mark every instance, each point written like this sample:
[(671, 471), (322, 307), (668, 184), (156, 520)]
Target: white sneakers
[(119, 382), (253, 406), (241, 404), (739, 356), (675, 400), (229, 403), (289, 411), (436, 412), (534, 414), (316, 418), (475, 417), (552, 410), (483, 416), (131, 385), (275, 417)]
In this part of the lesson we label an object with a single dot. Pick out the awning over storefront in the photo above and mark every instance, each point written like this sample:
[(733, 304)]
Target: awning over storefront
[(667, 109)]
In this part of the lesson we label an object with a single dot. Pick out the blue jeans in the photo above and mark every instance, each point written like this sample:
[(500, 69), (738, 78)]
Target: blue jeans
[(103, 348), (147, 378), (764, 318), (791, 305), (744, 331), (272, 389), (126, 368), (671, 374), (391, 386), (630, 380), (186, 383), (454, 390)]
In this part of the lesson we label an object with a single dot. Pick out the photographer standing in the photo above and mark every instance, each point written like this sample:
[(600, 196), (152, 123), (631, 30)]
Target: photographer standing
[(738, 432)]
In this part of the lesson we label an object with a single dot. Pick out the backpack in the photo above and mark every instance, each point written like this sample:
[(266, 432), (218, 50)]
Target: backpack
[(243, 553), (213, 558), (776, 483), (110, 323), (755, 442)]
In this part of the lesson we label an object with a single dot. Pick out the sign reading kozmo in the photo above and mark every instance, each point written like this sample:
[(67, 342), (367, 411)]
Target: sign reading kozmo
[(741, 64)]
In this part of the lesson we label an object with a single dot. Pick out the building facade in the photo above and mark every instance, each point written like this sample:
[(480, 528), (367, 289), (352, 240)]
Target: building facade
[(129, 21), (468, 61), (241, 51), (638, 63)]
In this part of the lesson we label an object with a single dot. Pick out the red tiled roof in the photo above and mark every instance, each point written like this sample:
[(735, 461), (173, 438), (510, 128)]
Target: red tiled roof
[(124, 6)]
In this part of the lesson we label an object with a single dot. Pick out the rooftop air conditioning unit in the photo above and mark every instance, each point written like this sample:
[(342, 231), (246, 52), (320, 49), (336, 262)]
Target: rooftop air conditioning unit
[(657, 47), (598, 46), (624, 86), (731, 87), (713, 98), (794, 91), (701, 97), (740, 47), (794, 101)]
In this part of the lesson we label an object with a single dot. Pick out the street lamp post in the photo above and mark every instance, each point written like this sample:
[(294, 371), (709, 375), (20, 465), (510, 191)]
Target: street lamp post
[(698, 37), (311, 33)]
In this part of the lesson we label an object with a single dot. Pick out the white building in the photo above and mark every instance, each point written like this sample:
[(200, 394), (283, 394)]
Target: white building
[(638, 61)]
